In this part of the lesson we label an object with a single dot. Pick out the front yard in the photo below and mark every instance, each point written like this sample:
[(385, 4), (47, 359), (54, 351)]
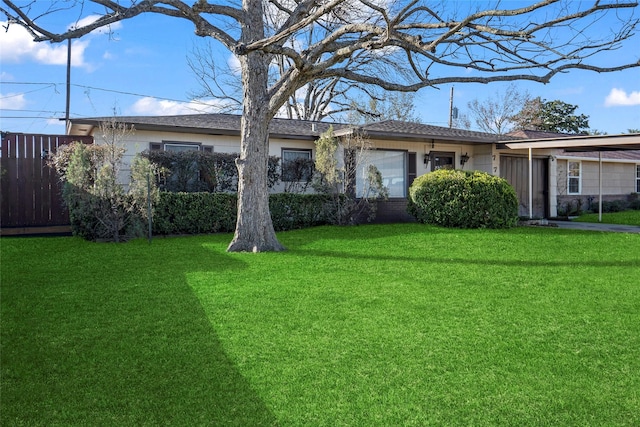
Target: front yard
[(628, 217), (375, 325)]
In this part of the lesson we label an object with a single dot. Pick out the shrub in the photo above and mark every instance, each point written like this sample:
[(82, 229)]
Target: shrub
[(196, 213), (196, 171), (100, 207), (464, 199), (613, 206), (290, 211), (345, 203)]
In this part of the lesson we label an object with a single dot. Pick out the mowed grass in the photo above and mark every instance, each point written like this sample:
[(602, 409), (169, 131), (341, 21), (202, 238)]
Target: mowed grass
[(628, 217), (378, 325)]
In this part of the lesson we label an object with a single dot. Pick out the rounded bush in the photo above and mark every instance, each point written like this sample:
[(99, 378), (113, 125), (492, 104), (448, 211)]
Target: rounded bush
[(463, 199)]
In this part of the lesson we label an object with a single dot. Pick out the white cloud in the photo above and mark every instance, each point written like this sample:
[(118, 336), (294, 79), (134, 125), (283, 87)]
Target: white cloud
[(234, 64), (4, 76), (18, 46), (618, 97), (154, 106), (12, 101), (55, 122)]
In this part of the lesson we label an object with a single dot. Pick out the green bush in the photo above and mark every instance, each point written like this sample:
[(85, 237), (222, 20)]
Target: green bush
[(100, 207), (613, 206), (463, 199), (291, 211), (198, 171), (196, 213)]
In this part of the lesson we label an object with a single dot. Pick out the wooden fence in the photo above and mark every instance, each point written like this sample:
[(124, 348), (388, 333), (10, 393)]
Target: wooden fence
[(30, 192)]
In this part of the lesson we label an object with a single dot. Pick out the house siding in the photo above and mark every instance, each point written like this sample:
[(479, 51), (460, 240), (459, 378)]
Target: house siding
[(619, 176)]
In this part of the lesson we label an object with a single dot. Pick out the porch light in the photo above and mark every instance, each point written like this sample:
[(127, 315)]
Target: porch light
[(427, 157), (464, 159)]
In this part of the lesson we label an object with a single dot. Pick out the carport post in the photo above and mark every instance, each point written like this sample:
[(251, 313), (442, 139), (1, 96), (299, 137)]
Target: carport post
[(530, 185), (599, 186)]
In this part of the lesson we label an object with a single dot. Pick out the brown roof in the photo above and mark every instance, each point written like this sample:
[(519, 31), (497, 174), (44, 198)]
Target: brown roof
[(400, 130), (537, 134), (229, 124), (212, 124)]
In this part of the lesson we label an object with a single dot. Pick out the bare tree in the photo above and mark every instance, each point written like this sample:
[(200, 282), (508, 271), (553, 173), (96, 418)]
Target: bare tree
[(495, 114), (385, 106), (533, 42), (316, 100)]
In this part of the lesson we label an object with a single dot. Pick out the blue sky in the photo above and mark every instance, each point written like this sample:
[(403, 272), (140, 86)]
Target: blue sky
[(141, 69)]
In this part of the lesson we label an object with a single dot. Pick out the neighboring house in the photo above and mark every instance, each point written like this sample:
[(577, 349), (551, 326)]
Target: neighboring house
[(580, 168), (401, 151)]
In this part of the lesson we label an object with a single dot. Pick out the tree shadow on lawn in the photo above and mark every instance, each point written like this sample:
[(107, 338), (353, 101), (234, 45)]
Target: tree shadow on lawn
[(472, 260), (119, 344)]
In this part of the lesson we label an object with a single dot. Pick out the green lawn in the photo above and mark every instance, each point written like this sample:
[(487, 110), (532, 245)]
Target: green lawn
[(629, 217), (366, 326)]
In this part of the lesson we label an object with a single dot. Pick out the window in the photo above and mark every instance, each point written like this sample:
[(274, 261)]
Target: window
[(180, 146), (392, 167), (573, 177), (297, 165), (173, 146), (637, 178), (441, 160)]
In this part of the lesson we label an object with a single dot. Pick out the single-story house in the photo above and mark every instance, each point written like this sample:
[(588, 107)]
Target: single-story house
[(405, 150)]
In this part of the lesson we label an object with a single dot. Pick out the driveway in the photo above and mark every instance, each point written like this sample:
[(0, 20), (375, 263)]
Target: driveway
[(596, 226)]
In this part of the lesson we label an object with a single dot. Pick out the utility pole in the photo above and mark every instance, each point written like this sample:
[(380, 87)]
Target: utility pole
[(451, 108)]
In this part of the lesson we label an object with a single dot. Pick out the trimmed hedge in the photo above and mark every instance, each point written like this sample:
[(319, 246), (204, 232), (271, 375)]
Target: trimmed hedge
[(463, 199), (196, 213), (196, 171), (291, 211)]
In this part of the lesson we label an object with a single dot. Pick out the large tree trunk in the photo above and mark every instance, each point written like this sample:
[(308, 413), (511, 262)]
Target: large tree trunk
[(254, 228)]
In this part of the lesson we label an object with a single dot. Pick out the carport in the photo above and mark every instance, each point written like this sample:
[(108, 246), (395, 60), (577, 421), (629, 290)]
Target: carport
[(584, 143)]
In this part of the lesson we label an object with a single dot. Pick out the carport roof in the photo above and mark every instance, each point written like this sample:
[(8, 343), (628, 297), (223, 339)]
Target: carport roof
[(582, 143)]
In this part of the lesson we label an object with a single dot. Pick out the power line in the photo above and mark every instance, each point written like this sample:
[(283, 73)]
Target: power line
[(49, 84), (32, 117), (31, 111)]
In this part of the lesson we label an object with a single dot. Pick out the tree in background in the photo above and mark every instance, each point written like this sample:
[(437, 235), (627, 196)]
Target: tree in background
[(407, 45), (495, 114), (385, 106), (551, 116)]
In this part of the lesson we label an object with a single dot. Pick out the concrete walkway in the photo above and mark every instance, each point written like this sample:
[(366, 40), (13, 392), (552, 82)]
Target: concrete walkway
[(591, 226)]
